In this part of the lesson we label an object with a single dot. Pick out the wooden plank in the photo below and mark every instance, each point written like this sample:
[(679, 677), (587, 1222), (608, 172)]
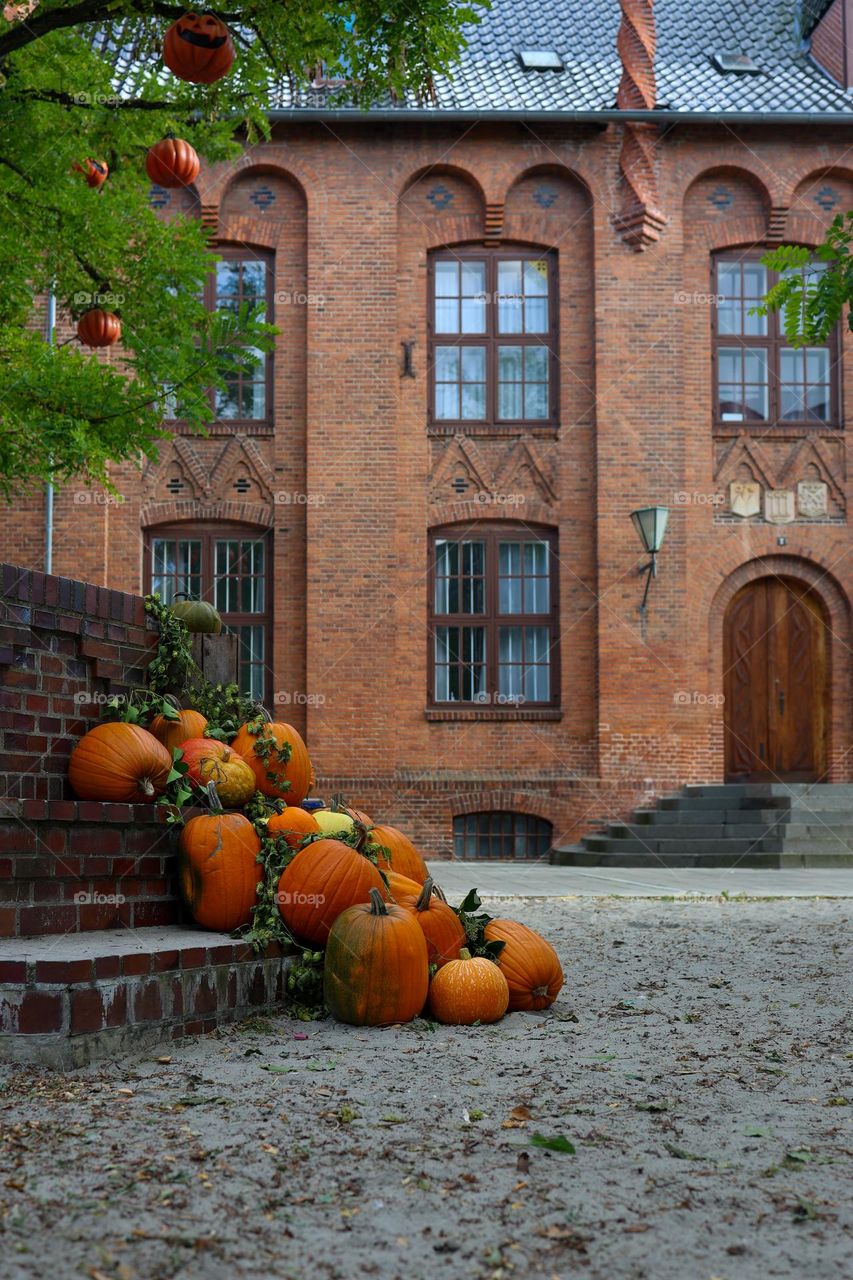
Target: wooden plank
[(217, 656)]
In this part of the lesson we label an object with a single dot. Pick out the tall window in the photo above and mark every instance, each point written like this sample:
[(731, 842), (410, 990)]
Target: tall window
[(493, 624), (493, 331), (760, 378), (501, 835), (227, 565)]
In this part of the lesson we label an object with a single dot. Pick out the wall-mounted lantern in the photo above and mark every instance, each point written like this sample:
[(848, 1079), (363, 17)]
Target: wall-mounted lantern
[(650, 523)]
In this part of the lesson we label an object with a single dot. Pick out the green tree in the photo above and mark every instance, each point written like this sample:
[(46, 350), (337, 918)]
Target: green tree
[(84, 78), (814, 286)]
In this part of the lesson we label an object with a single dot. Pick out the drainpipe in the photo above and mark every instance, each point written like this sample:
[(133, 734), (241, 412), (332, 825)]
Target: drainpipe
[(50, 329)]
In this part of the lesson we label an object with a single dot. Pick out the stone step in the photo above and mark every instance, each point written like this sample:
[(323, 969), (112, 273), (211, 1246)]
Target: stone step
[(787, 790), (608, 844), (693, 831), (579, 856), (65, 1000)]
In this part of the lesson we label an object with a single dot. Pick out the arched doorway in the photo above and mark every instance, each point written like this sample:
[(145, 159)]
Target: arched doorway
[(776, 683)]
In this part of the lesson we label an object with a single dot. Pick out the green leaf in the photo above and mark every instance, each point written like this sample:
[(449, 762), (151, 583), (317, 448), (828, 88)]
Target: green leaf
[(557, 1143)]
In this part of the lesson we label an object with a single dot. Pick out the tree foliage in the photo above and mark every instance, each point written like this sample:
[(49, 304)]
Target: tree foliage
[(84, 78), (814, 285)]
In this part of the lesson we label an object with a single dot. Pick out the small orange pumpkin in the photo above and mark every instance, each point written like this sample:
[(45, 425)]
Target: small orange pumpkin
[(119, 762), (470, 989), (172, 163), (324, 878), (404, 857), (441, 926), (376, 970), (198, 47), (218, 868), (529, 964), (279, 759), (294, 823), (98, 328), (209, 760), (95, 172), (173, 733)]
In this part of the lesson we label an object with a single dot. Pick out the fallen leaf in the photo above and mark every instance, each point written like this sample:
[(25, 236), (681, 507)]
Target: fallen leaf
[(557, 1143)]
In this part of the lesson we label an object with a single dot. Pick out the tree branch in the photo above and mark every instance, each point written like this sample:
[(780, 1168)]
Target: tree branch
[(87, 11)]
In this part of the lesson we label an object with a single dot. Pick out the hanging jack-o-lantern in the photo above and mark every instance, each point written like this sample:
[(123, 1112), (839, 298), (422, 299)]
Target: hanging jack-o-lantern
[(198, 47), (95, 172), (172, 163), (97, 328)]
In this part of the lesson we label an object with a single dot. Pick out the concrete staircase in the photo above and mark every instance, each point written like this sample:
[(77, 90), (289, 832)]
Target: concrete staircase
[(740, 824)]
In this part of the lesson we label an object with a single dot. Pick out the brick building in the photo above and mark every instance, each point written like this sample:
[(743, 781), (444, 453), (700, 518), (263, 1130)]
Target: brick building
[(508, 320)]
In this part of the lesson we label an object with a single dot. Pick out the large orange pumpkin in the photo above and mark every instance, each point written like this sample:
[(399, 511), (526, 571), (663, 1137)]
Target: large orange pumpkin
[(98, 328), (470, 989), (198, 48), (120, 762), (172, 163), (209, 760), (294, 823), (279, 759), (218, 869), (376, 969), (441, 926), (529, 964), (404, 857), (324, 878), (172, 733), (400, 885)]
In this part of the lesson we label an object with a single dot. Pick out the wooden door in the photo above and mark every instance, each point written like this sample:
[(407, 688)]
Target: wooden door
[(775, 683)]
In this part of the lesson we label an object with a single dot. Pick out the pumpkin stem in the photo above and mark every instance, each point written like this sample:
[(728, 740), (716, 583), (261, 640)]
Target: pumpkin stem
[(146, 786), (377, 906), (540, 991), (439, 893), (213, 797), (464, 954), (426, 893)]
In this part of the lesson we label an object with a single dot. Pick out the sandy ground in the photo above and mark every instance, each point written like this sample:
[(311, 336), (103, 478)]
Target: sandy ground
[(699, 1060)]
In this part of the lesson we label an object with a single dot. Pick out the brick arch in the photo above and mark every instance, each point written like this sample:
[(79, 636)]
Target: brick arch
[(448, 170), (712, 225), (503, 800), (442, 513), (817, 574), (260, 514), (249, 166), (807, 222)]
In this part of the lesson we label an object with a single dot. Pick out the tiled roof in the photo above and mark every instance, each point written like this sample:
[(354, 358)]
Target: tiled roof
[(490, 78)]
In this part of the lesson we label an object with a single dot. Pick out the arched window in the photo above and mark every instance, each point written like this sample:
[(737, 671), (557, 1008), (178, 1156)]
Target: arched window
[(493, 626), (759, 378), (493, 337), (229, 565), (501, 835)]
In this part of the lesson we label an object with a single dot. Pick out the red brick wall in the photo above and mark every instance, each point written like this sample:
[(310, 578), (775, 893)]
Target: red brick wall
[(352, 224)]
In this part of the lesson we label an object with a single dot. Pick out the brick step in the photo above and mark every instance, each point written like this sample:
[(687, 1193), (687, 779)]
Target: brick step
[(65, 1000), (580, 856)]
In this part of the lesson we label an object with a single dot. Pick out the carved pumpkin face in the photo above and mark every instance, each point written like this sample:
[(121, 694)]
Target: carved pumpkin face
[(198, 48)]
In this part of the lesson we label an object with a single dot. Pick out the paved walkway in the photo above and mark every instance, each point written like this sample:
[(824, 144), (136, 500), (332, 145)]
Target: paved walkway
[(539, 880)]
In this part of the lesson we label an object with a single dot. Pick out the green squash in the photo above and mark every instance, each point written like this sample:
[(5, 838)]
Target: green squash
[(198, 616)]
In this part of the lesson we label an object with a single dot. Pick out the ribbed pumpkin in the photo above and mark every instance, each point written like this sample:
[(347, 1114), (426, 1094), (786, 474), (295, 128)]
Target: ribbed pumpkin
[(95, 172), (404, 856), (120, 762), (529, 964), (198, 48), (400, 885), (441, 926), (218, 869), (172, 733), (98, 328), (198, 616), (470, 989), (279, 759), (376, 970), (324, 878), (209, 760), (334, 822), (172, 162), (293, 823)]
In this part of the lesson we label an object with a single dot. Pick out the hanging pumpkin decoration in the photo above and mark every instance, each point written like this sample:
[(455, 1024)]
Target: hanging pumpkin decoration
[(95, 172), (218, 869), (172, 163), (324, 878), (404, 857), (376, 970), (98, 328), (119, 762), (198, 48), (440, 924), (209, 760), (529, 964), (279, 759), (470, 989), (174, 732), (198, 616), (294, 823)]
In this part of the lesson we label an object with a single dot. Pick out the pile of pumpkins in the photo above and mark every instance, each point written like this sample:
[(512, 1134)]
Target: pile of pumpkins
[(393, 946), (199, 49)]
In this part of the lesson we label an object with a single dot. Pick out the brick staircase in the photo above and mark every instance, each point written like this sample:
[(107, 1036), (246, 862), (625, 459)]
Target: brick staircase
[(739, 824)]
